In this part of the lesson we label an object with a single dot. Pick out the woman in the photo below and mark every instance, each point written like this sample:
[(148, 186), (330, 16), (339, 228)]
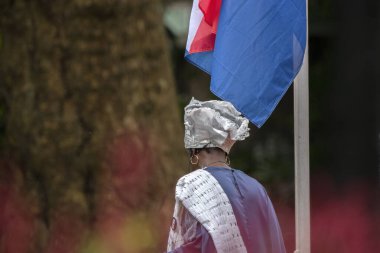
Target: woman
[(218, 208)]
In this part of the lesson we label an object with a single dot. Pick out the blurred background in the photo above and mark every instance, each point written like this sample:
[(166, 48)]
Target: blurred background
[(91, 132)]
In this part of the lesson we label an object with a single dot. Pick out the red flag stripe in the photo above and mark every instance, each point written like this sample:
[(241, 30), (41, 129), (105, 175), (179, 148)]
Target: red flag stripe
[(204, 39)]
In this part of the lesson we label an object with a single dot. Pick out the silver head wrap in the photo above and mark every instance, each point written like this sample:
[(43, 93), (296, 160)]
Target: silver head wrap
[(213, 124)]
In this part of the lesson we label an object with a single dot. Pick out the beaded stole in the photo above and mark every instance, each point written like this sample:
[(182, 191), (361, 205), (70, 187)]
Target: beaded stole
[(201, 194)]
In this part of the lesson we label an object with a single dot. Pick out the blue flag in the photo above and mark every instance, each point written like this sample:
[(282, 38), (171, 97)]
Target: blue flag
[(257, 52)]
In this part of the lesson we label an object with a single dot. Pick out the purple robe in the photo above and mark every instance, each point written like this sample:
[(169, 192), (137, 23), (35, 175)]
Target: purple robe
[(254, 213)]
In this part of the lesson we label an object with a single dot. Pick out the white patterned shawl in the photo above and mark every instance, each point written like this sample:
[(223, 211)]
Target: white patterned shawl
[(201, 194)]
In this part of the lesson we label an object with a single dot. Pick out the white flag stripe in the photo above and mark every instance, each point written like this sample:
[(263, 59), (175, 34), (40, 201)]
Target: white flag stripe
[(195, 20)]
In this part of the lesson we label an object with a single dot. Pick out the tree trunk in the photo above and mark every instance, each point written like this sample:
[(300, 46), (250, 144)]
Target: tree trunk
[(92, 130)]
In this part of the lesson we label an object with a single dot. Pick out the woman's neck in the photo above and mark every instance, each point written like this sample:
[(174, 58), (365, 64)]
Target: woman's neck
[(213, 158)]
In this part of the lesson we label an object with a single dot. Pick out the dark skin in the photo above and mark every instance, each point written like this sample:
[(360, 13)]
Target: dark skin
[(209, 157)]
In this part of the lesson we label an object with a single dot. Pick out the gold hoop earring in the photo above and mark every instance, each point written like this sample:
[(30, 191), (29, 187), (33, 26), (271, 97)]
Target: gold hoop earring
[(228, 161), (191, 159)]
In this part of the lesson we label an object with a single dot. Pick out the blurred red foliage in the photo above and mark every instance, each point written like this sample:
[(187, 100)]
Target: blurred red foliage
[(16, 220), (344, 219), (65, 234), (130, 159)]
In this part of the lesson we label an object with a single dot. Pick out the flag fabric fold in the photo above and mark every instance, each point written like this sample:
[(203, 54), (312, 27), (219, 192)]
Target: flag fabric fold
[(253, 49)]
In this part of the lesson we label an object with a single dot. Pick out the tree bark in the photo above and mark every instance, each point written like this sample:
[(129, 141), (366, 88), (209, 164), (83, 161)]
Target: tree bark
[(91, 118)]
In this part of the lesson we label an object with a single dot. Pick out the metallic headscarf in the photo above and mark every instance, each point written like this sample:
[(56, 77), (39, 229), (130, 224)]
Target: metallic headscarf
[(213, 124)]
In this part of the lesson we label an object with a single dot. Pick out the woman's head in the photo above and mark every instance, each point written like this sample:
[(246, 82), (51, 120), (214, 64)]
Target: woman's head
[(213, 124)]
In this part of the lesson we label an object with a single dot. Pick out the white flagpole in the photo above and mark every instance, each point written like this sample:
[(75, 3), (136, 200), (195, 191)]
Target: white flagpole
[(301, 151)]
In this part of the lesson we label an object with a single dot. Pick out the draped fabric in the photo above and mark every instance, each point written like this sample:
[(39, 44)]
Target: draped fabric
[(254, 213), (202, 196)]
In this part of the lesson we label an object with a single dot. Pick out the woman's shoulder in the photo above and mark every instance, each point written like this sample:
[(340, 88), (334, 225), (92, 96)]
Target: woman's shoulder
[(195, 183), (192, 176), (192, 180), (222, 173)]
